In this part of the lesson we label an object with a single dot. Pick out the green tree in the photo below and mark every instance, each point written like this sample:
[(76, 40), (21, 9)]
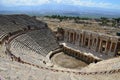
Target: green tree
[(104, 21), (115, 22)]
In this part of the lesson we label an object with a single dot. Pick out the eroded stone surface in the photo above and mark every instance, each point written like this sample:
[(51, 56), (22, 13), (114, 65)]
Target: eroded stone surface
[(23, 62)]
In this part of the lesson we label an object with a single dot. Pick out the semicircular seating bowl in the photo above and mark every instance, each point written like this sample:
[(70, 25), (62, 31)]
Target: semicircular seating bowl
[(34, 43)]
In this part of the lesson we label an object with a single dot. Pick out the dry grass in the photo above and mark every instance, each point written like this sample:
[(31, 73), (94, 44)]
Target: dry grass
[(94, 26)]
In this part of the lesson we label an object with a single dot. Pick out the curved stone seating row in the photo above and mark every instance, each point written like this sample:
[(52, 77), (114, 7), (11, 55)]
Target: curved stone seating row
[(24, 44), (2, 34), (31, 43), (25, 53), (19, 20), (39, 44), (104, 65), (26, 40), (9, 28), (37, 73), (54, 70), (13, 23), (13, 57), (44, 41)]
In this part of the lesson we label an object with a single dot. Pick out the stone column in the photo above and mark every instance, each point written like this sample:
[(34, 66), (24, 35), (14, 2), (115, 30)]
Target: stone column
[(110, 47), (73, 38), (82, 39), (115, 49), (79, 43), (89, 42), (77, 39), (96, 45), (106, 47), (69, 37), (100, 45), (65, 36), (93, 43)]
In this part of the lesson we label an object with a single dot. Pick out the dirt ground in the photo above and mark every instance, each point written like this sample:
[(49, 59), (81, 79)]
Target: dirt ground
[(66, 61), (93, 26)]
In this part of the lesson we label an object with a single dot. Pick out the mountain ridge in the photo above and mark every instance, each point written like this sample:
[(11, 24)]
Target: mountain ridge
[(62, 9)]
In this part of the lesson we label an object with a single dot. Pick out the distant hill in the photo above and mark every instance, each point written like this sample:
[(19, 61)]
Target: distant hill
[(61, 9)]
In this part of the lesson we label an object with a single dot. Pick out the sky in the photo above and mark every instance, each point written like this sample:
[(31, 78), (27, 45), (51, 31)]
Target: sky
[(111, 4)]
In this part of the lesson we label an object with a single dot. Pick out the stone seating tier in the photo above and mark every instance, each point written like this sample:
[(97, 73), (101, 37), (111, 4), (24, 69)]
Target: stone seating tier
[(37, 41)]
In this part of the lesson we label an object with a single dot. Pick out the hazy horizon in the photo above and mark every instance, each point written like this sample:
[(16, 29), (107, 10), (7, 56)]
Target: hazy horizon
[(92, 8)]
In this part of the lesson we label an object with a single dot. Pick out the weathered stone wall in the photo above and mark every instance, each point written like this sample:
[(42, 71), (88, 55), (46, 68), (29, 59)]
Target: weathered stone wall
[(81, 56), (98, 42)]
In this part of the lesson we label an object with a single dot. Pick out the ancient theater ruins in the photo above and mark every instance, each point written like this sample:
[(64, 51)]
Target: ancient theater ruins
[(102, 45), (30, 50)]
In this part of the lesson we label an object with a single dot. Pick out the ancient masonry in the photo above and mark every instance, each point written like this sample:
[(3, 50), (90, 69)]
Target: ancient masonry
[(30, 44), (98, 42)]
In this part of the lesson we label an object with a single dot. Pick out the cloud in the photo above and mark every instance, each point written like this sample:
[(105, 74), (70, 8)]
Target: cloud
[(88, 3), (23, 2), (58, 1), (91, 3)]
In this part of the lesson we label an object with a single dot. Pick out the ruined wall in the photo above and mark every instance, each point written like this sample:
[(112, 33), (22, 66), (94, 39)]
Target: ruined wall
[(81, 56), (98, 42)]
